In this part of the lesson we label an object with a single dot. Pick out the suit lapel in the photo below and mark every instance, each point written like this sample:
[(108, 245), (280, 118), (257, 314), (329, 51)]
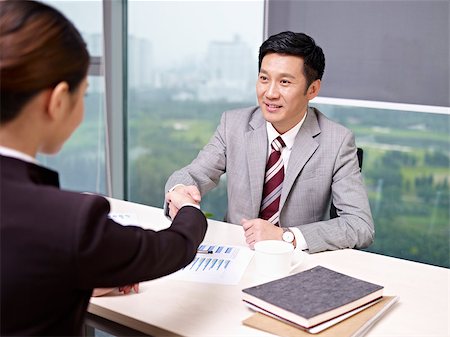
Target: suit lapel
[(304, 147), (256, 148)]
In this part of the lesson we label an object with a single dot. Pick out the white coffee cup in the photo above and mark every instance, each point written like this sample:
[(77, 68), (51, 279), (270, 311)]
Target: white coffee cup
[(276, 258)]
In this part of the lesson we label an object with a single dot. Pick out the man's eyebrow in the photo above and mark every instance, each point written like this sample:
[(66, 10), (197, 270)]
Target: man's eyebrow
[(279, 75), (287, 75)]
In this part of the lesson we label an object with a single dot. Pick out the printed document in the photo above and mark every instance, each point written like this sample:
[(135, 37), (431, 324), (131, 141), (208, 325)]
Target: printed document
[(213, 263)]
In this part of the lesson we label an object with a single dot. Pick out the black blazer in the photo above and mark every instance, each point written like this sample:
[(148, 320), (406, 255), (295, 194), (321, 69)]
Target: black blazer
[(56, 246)]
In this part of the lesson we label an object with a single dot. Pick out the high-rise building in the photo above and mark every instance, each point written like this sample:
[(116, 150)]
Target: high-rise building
[(230, 73), (140, 63)]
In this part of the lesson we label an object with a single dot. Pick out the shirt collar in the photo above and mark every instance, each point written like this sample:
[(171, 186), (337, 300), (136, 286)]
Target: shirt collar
[(288, 137), (8, 152)]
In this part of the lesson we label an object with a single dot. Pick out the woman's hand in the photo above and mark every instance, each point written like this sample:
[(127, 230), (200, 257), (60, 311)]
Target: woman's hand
[(125, 290)]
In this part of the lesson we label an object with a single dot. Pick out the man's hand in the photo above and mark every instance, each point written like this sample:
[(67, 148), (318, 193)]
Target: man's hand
[(191, 191), (125, 289), (182, 195), (258, 229)]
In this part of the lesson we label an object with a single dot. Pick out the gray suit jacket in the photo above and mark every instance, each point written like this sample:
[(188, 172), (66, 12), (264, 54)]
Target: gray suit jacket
[(323, 167)]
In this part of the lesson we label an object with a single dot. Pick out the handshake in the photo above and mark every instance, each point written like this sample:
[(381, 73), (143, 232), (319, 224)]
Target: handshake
[(176, 198), (180, 196)]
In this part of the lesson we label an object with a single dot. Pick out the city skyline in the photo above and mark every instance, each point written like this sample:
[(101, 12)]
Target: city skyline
[(178, 29), (226, 71)]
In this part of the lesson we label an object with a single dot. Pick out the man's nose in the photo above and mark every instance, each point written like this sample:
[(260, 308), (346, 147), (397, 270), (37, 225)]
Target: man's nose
[(272, 91)]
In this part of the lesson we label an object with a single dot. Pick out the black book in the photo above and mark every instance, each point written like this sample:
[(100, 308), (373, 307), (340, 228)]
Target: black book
[(313, 296)]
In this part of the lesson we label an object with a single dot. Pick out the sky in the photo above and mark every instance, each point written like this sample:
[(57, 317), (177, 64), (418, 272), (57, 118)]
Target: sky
[(177, 29)]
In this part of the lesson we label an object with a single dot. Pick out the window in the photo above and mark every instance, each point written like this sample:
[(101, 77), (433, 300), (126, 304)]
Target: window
[(379, 52), (81, 162), (406, 172), (188, 61)]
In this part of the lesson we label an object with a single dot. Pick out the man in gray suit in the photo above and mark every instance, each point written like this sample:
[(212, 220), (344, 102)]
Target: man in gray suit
[(316, 161)]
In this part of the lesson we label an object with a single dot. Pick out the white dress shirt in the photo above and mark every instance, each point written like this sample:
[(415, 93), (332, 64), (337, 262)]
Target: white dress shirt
[(8, 152)]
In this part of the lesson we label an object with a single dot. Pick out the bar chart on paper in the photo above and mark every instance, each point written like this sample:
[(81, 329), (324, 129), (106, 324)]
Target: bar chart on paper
[(216, 264)]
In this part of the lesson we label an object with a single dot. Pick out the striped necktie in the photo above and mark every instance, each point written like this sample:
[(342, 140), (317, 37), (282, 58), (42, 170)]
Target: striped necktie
[(273, 183)]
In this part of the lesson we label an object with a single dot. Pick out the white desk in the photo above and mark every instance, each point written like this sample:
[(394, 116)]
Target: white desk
[(166, 307)]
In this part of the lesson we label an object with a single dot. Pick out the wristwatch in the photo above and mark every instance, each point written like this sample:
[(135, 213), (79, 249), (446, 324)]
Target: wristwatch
[(288, 236)]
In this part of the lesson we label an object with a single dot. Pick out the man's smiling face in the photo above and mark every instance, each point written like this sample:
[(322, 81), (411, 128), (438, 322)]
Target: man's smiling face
[(281, 90)]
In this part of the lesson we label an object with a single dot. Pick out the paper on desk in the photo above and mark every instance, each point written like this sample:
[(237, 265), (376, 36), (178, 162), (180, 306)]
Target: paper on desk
[(125, 219), (225, 265)]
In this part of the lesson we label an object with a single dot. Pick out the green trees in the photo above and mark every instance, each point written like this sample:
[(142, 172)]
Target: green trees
[(411, 220)]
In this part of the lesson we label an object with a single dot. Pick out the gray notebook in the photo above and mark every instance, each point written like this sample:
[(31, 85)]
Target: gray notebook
[(312, 296)]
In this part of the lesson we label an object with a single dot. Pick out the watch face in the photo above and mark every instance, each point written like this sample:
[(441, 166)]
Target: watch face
[(288, 236)]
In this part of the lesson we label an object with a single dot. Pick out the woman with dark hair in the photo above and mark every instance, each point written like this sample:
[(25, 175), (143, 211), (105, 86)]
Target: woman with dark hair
[(57, 246)]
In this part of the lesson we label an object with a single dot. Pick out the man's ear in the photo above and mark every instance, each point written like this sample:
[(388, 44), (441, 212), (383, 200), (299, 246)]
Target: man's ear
[(313, 89), (58, 100)]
